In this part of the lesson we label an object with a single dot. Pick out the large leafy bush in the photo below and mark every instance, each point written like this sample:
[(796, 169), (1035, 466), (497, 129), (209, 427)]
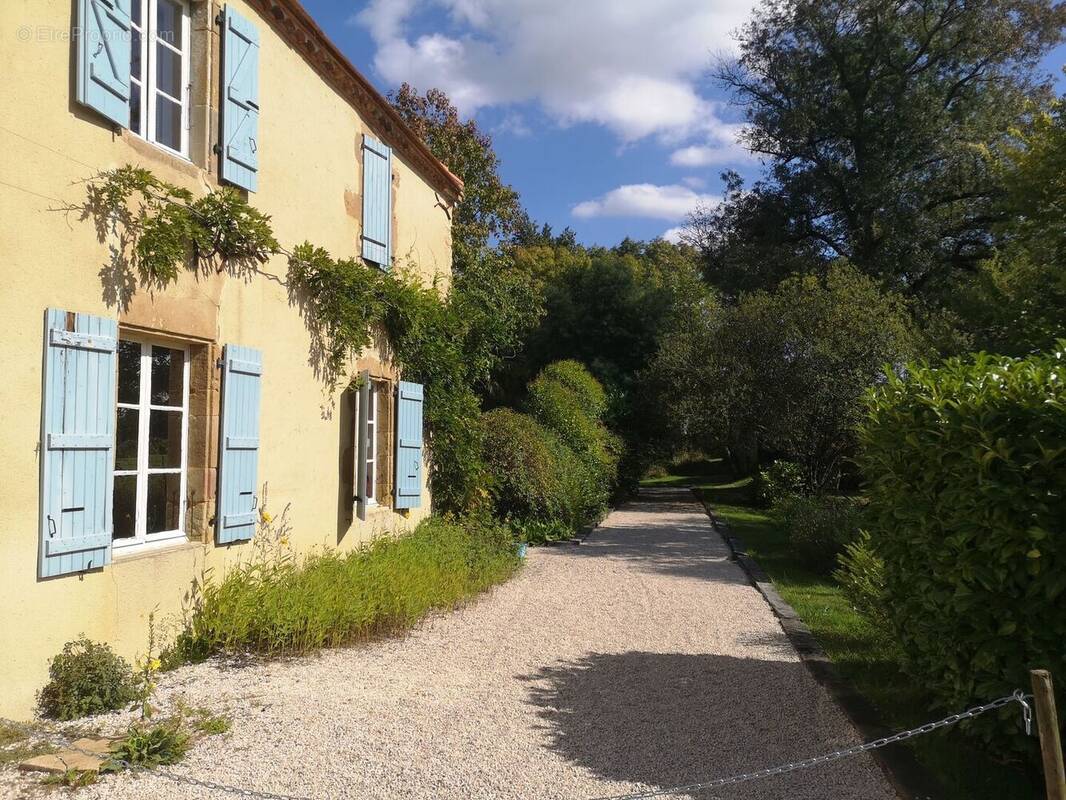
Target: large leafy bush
[(966, 466)]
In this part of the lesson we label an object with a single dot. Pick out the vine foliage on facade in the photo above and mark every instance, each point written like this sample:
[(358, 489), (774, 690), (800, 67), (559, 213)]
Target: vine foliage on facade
[(163, 228)]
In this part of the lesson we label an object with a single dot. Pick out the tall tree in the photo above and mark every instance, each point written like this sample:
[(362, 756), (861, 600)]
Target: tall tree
[(489, 207), (1017, 301), (880, 120), (784, 371)]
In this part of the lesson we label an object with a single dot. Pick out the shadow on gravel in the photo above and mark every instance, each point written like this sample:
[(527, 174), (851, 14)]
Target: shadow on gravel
[(674, 538), (673, 719)]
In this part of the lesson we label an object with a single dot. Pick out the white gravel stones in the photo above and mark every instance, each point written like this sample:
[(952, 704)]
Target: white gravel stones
[(639, 659)]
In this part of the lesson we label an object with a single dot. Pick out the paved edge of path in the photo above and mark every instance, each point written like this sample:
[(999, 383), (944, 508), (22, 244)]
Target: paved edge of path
[(908, 778)]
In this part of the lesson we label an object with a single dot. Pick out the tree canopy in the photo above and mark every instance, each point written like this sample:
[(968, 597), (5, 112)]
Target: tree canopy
[(880, 122), (489, 207)]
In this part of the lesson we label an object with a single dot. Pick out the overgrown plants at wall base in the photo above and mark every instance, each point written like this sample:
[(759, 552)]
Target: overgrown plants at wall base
[(965, 465), (278, 603)]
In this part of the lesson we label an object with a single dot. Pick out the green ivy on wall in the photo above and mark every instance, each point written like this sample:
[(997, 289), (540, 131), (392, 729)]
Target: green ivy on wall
[(429, 335)]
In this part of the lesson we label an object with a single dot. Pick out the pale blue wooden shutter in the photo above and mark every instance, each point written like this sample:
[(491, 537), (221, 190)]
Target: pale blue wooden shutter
[(238, 469), (77, 442), (361, 444), (409, 398), (240, 101), (377, 202), (103, 58)]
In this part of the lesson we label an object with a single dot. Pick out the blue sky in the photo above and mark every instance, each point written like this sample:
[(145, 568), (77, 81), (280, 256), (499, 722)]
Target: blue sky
[(601, 111)]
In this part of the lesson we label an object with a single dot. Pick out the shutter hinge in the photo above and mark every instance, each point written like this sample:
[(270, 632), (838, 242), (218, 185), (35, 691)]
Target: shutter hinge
[(220, 18), (217, 149), (220, 362)]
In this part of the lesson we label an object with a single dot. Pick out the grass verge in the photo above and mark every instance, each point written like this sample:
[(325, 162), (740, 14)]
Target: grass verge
[(865, 655), (279, 604)]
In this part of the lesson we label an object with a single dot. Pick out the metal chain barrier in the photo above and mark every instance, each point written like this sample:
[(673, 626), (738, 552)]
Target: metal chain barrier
[(716, 783)]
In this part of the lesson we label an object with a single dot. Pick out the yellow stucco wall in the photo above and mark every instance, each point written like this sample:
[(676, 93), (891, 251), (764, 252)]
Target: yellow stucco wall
[(310, 184)]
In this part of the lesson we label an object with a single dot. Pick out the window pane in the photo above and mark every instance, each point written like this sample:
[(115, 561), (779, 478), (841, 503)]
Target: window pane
[(167, 122), (370, 482), (125, 510), (135, 13), (164, 439), (126, 438), (135, 53), (164, 502), (129, 372), (168, 22), (168, 71), (135, 107), (168, 376)]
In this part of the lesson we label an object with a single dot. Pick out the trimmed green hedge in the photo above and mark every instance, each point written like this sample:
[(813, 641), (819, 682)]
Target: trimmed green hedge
[(522, 460), (966, 472), (553, 470), (585, 389), (567, 399)]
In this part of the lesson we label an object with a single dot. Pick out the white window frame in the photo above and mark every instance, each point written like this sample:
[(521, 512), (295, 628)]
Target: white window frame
[(372, 446), (146, 84), (141, 539)]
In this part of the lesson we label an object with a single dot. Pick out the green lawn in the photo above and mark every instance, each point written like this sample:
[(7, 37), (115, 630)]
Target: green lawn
[(866, 656)]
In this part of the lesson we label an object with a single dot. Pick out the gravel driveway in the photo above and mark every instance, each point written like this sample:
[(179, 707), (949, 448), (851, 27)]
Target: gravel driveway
[(640, 659)]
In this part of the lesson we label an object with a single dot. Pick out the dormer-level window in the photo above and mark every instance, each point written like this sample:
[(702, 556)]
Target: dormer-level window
[(159, 73)]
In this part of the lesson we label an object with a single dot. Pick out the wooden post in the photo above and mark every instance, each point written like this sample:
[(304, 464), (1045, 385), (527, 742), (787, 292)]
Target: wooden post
[(1048, 724)]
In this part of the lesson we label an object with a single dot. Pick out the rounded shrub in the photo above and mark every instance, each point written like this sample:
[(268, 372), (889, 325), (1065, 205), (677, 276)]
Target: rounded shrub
[(522, 465), (568, 400), (85, 678), (581, 383), (966, 471), (778, 481)]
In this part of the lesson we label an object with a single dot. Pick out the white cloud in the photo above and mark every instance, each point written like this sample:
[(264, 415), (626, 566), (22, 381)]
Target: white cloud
[(694, 182), (673, 202), (722, 146), (629, 65), (515, 124), (673, 235)]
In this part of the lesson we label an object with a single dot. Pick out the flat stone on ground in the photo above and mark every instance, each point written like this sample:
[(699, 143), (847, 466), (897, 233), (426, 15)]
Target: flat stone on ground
[(66, 760)]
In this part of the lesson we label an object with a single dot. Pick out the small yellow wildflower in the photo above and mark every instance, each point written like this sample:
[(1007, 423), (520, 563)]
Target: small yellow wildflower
[(267, 516), (155, 664), (285, 541)]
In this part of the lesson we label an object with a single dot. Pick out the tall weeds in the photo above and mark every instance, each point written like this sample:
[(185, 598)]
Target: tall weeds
[(277, 603)]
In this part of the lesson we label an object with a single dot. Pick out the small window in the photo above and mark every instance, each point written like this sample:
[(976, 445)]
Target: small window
[(159, 73), (151, 434), (372, 446)]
